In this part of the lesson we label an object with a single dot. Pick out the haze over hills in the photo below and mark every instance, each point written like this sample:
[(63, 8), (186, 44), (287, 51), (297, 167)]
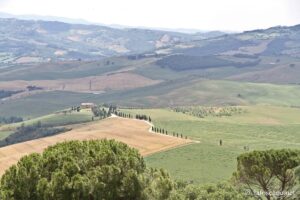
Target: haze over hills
[(146, 67), (45, 18), (195, 104), (44, 40), (38, 41)]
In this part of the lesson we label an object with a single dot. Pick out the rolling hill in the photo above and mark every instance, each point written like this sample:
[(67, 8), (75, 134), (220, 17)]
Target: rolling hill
[(254, 67), (47, 67), (29, 41), (134, 133)]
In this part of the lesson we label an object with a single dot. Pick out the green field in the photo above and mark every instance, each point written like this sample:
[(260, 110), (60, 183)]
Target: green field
[(4, 134), (260, 127), (60, 119), (42, 104), (256, 128)]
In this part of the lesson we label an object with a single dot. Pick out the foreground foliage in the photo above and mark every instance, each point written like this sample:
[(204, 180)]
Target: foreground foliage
[(110, 170), (269, 173), (76, 170)]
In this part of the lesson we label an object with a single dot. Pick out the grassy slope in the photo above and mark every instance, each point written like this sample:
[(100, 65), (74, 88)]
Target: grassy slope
[(267, 71), (67, 70), (4, 134), (59, 119), (261, 127), (209, 92), (43, 104), (180, 92)]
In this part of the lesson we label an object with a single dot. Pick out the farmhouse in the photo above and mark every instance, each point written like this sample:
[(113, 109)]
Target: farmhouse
[(87, 105)]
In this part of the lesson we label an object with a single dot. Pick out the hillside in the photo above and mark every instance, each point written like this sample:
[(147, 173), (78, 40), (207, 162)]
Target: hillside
[(135, 133), (166, 94), (236, 69), (26, 41), (210, 101), (255, 128), (271, 55)]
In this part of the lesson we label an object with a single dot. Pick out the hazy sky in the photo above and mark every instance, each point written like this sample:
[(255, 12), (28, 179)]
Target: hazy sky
[(234, 15)]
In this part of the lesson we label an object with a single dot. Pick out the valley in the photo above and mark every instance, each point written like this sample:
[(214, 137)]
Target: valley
[(188, 103)]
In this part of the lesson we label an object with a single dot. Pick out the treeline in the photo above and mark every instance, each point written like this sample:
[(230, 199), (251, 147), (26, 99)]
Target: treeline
[(149, 119), (124, 115), (10, 120), (249, 56), (30, 132), (33, 88), (143, 117), (137, 116), (6, 93), (166, 132)]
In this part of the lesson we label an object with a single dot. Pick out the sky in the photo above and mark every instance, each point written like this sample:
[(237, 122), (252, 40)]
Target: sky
[(229, 15)]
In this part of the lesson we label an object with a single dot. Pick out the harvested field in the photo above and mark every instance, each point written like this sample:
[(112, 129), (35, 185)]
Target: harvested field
[(92, 83), (28, 59), (135, 133)]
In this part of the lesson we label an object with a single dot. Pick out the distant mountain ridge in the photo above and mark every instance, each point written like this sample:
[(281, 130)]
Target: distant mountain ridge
[(24, 41), (45, 18), (59, 40), (269, 55), (118, 26), (146, 67), (240, 47)]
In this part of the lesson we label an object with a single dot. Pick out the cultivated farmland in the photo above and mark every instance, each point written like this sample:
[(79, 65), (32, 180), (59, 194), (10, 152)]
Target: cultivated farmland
[(257, 128), (132, 132)]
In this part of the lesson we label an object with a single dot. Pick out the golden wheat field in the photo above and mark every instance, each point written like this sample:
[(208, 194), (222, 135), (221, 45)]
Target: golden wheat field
[(135, 133)]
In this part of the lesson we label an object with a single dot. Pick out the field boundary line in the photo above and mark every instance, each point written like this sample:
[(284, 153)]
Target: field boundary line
[(150, 129)]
